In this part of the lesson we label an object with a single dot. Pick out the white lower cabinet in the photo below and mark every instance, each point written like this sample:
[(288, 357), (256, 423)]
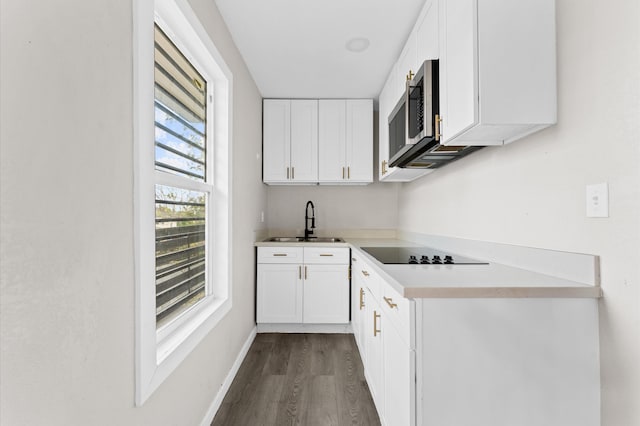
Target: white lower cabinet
[(399, 377), (297, 285), (358, 303), (387, 353), (279, 293), (374, 352), (477, 361), (326, 294)]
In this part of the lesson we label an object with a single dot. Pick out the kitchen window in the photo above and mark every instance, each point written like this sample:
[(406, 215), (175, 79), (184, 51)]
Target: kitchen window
[(182, 116), (182, 239)]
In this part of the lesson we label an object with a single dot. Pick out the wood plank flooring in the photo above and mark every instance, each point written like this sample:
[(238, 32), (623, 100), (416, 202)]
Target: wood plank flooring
[(299, 379)]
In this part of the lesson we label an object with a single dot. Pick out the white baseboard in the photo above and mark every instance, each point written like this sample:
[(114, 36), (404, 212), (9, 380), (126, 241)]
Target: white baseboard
[(306, 328), (217, 402)]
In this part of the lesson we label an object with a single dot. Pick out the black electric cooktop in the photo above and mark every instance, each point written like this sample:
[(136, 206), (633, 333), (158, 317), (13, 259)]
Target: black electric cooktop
[(418, 255)]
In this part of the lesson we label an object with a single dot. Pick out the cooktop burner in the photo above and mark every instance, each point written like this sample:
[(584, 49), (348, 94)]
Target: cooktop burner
[(418, 255)]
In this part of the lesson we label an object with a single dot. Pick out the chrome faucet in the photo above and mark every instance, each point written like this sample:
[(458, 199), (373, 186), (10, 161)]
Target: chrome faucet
[(308, 231)]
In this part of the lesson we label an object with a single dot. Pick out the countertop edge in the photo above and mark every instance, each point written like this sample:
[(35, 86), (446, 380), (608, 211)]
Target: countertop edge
[(301, 244), (503, 292)]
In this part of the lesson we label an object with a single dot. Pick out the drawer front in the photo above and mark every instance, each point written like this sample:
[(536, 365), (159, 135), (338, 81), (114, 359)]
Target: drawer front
[(326, 255), (399, 311), (369, 277), (280, 254)]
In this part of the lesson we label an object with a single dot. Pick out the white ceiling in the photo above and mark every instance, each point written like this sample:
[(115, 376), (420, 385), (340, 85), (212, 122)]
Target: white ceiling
[(296, 48)]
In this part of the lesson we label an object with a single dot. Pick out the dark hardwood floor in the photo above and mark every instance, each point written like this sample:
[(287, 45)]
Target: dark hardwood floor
[(299, 379)]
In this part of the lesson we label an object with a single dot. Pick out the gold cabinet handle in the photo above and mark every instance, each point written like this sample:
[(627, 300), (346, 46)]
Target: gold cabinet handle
[(343, 173), (410, 75), (305, 272), (348, 172), (390, 302), (365, 273), (299, 272), (280, 254), (293, 173), (287, 173), (375, 323), (438, 121), (326, 254), (361, 298), (384, 167)]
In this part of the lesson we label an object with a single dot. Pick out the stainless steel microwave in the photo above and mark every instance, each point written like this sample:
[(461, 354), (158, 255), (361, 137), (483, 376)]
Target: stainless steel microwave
[(414, 117), (414, 125)]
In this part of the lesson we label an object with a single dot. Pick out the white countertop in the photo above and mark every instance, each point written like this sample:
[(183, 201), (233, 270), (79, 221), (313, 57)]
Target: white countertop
[(460, 281)]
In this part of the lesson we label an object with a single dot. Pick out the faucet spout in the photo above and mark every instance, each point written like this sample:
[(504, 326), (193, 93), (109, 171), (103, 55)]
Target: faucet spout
[(308, 231)]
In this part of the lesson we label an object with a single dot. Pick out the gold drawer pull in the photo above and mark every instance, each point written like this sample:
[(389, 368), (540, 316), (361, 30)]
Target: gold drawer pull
[(375, 324), (327, 254), (390, 302), (299, 272), (280, 254), (365, 273), (361, 299)]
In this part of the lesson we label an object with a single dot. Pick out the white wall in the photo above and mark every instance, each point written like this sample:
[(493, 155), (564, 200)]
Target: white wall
[(66, 239), (338, 209), (532, 193)]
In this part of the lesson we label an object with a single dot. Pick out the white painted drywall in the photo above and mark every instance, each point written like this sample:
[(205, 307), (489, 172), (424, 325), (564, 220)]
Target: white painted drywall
[(532, 192), (338, 208), (66, 238)]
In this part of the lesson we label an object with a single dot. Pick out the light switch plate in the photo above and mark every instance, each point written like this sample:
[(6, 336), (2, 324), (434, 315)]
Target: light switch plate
[(598, 200)]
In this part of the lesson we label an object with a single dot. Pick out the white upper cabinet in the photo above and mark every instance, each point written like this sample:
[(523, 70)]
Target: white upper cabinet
[(277, 140), (422, 44), (332, 135), (408, 61), (290, 137), (497, 70), (359, 148), (427, 33), (304, 140), (345, 141), (318, 141)]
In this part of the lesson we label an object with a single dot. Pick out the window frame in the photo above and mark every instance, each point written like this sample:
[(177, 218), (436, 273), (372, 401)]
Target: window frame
[(160, 351)]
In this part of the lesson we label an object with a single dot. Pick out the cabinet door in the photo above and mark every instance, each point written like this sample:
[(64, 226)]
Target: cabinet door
[(304, 140), (279, 293), (427, 33), (358, 304), (385, 107), (359, 149), (407, 62), (399, 378), (326, 294), (458, 66), (331, 140), (277, 139), (374, 351)]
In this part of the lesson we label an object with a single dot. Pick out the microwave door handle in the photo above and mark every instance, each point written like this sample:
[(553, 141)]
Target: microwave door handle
[(407, 91)]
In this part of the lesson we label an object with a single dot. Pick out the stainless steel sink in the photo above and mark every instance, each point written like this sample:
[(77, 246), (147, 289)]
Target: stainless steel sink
[(326, 240), (284, 240), (301, 240)]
